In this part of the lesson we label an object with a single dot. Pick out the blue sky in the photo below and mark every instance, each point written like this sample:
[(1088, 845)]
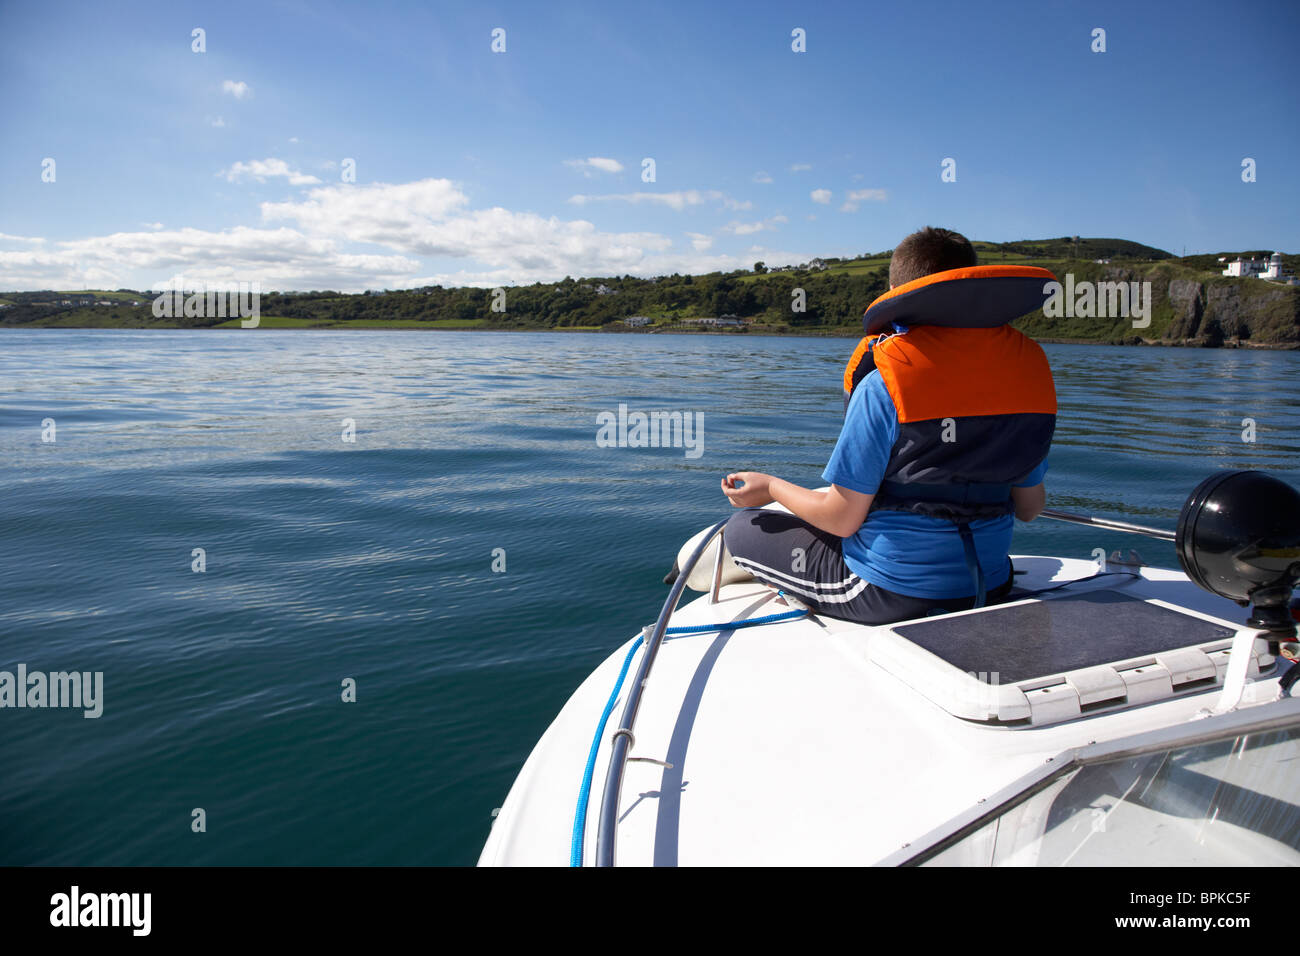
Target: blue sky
[(489, 168)]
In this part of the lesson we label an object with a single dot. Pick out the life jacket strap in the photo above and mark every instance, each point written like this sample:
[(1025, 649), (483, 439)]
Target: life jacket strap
[(972, 562), (971, 494)]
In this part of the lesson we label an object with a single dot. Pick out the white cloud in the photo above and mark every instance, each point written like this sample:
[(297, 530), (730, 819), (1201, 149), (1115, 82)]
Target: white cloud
[(762, 177), (822, 196), (674, 200), (7, 238), (600, 164), (429, 218), (237, 88), (749, 228), (278, 258), (391, 215), (800, 167), (218, 122), (293, 139), (856, 196), (264, 169), (661, 264), (352, 237), (508, 247), (152, 225)]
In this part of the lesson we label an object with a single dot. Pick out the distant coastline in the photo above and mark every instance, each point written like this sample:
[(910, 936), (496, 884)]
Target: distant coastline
[(762, 333), (1127, 294)]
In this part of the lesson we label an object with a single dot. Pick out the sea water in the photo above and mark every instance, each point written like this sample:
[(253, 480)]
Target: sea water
[(337, 583)]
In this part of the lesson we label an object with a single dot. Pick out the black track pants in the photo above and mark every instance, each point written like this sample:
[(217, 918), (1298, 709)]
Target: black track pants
[(788, 553)]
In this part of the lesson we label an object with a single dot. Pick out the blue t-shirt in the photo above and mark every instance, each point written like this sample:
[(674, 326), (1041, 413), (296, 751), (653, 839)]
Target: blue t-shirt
[(908, 553)]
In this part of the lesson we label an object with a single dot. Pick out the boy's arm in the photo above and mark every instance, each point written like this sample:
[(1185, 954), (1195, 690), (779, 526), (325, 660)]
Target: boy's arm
[(1029, 497), (838, 511), (859, 460), (1029, 502)]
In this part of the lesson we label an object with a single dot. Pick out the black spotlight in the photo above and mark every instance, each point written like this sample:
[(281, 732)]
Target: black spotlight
[(1239, 537)]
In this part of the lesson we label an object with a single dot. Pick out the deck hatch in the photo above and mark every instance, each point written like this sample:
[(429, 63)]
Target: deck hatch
[(1023, 641), (1043, 661)]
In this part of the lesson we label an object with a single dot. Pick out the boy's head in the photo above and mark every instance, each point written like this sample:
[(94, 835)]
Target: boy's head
[(929, 250)]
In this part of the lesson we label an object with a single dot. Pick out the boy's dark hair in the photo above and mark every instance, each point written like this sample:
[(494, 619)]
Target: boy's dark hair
[(929, 250)]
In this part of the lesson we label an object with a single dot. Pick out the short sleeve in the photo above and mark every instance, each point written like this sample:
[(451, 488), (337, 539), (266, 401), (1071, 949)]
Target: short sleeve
[(866, 440), (1035, 477)]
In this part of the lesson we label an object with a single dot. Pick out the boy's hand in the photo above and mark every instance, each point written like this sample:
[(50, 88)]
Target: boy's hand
[(755, 491)]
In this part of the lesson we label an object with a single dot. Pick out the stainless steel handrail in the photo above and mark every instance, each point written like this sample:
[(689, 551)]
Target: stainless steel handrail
[(1160, 533), (606, 830)]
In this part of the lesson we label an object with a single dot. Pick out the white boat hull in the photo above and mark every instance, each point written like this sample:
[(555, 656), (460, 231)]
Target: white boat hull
[(789, 745)]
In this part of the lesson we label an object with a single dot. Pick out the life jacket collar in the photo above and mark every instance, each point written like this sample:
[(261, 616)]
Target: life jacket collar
[(975, 297)]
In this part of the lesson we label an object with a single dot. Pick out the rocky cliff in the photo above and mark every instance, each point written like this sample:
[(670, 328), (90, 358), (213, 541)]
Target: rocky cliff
[(1186, 308)]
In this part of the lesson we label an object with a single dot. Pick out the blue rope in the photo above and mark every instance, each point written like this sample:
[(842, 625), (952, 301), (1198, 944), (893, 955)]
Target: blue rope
[(737, 625), (584, 792)]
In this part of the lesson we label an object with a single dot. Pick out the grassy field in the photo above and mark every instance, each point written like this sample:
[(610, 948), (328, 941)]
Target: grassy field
[(286, 322), (277, 322), (127, 297), (99, 317), (853, 267), (988, 253)]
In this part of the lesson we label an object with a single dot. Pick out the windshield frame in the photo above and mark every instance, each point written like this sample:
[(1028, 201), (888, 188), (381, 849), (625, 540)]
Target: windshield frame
[(1276, 715)]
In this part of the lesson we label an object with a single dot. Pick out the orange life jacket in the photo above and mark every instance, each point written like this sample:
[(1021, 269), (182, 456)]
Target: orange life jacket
[(975, 398)]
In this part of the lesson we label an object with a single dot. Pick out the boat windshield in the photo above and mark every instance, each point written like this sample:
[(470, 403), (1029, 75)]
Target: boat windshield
[(1223, 803)]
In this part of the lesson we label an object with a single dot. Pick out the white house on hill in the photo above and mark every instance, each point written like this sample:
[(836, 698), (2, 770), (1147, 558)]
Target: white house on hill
[(1245, 267), (1270, 268)]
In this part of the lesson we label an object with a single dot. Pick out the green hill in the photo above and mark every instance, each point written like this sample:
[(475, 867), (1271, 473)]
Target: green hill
[(1070, 247)]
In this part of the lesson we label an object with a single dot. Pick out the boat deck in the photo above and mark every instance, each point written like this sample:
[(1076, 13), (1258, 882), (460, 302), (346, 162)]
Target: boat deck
[(789, 744)]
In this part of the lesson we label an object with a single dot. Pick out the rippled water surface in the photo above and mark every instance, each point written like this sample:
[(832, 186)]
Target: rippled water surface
[(372, 559)]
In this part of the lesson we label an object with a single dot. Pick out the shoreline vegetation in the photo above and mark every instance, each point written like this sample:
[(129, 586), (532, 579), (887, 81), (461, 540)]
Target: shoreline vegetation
[(1190, 302)]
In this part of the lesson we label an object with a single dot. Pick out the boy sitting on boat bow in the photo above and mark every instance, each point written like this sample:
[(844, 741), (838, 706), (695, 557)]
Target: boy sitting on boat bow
[(943, 440)]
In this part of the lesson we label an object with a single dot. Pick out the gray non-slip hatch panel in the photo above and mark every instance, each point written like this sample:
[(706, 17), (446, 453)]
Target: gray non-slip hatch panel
[(1023, 641)]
